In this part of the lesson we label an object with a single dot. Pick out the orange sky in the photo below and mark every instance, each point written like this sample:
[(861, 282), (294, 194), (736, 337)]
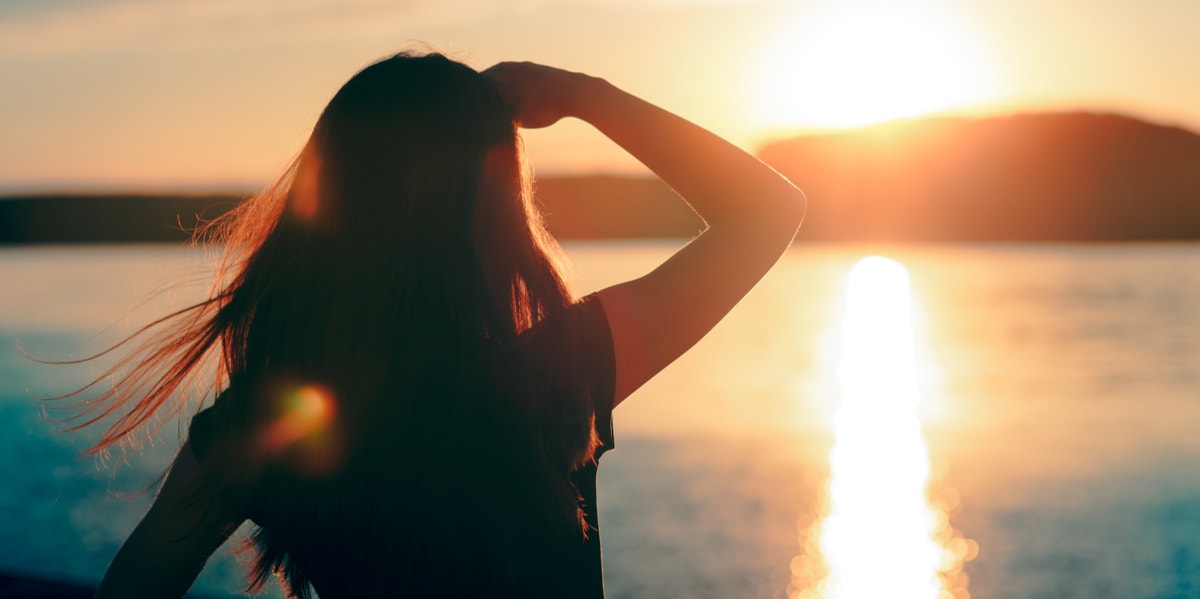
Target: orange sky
[(146, 94)]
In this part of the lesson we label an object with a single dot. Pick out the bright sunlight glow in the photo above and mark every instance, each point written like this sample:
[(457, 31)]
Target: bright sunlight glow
[(881, 537), (303, 433), (867, 61)]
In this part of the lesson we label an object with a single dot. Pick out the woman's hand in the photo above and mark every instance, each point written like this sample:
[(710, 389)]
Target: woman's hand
[(539, 95)]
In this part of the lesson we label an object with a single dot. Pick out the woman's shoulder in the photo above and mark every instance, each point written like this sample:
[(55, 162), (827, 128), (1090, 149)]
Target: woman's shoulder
[(581, 327), (570, 347), (214, 423), (200, 433), (218, 438)]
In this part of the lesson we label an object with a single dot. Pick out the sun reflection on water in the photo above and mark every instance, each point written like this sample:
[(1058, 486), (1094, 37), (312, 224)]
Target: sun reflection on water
[(880, 536)]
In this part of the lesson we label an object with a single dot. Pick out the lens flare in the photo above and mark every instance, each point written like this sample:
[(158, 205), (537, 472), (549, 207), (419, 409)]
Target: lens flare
[(880, 537), (302, 430)]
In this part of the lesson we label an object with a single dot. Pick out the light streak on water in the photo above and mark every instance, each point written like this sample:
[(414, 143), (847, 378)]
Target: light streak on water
[(880, 536)]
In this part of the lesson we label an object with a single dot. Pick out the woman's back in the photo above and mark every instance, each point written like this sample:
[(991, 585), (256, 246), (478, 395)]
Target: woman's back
[(459, 505)]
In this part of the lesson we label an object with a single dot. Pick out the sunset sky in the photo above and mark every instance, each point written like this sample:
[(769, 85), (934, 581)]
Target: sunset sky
[(219, 94)]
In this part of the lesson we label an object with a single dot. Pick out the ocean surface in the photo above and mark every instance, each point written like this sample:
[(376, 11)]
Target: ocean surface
[(1044, 403)]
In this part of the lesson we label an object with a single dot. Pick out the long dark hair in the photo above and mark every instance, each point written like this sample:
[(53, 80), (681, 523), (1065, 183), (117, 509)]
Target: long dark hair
[(372, 289)]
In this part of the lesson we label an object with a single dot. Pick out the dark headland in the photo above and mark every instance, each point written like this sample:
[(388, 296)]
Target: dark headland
[(1028, 177), (1031, 177)]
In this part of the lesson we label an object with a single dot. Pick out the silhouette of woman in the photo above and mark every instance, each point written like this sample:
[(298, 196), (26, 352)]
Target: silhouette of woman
[(410, 400)]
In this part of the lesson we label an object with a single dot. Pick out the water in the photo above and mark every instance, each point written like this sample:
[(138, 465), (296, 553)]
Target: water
[(1058, 406)]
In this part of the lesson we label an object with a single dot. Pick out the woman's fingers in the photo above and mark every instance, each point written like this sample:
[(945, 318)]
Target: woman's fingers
[(539, 95)]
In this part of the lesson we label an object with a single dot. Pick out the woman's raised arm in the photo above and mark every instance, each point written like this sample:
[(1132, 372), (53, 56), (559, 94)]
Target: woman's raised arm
[(752, 213)]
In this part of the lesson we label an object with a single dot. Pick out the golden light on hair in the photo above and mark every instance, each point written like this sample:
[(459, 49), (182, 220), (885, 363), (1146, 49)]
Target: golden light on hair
[(880, 537), (306, 197)]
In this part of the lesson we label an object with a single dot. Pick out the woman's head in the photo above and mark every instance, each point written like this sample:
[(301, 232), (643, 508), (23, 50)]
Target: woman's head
[(415, 164), (403, 140)]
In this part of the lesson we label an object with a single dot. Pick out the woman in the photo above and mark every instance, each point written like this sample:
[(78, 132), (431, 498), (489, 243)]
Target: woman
[(411, 400)]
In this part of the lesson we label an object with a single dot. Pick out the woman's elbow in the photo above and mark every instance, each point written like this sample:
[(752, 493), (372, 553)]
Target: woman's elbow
[(797, 208), (788, 213)]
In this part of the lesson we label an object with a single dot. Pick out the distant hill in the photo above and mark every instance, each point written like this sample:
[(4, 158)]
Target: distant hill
[(107, 218), (1029, 177), (597, 207)]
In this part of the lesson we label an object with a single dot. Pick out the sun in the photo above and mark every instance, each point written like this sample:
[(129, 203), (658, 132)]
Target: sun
[(864, 62)]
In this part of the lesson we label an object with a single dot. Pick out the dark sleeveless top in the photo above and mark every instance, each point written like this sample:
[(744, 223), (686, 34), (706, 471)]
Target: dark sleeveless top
[(577, 571)]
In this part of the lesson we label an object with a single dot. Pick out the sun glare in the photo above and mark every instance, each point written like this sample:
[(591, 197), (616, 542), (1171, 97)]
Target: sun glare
[(303, 429), (880, 536), (864, 62)]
